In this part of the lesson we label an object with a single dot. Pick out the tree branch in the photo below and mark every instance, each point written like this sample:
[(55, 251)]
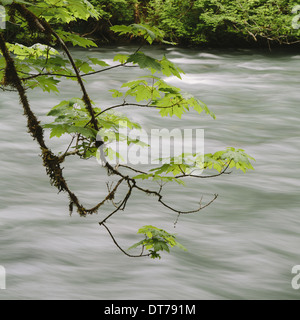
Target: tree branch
[(118, 246), (205, 177), (53, 162), (74, 76)]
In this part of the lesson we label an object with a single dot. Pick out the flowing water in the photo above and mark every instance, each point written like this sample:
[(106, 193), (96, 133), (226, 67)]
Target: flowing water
[(243, 246)]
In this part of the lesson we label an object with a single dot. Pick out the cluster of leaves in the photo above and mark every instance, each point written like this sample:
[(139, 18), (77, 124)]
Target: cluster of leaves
[(43, 66), (153, 91), (174, 169), (234, 158), (72, 117), (157, 240), (58, 13)]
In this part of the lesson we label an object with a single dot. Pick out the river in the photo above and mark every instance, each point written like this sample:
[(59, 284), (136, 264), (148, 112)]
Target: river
[(243, 246)]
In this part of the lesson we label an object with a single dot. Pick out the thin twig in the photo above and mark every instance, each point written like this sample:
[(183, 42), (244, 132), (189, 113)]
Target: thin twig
[(118, 246), (205, 177), (121, 206)]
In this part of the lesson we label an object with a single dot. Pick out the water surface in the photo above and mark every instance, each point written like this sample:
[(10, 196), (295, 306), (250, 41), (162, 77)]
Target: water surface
[(242, 247)]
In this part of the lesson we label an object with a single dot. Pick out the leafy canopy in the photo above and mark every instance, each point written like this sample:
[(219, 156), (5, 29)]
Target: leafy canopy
[(41, 66)]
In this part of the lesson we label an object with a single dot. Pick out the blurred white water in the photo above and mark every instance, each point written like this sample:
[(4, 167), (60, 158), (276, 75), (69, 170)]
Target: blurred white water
[(244, 246)]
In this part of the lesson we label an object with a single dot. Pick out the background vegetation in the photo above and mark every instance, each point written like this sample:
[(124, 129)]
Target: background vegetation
[(218, 23), (198, 22)]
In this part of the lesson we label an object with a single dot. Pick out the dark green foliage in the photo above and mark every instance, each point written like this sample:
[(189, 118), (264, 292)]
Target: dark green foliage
[(214, 22), (223, 21)]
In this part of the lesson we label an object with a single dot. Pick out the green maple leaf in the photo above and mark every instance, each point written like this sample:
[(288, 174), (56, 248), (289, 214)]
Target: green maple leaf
[(144, 61)]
